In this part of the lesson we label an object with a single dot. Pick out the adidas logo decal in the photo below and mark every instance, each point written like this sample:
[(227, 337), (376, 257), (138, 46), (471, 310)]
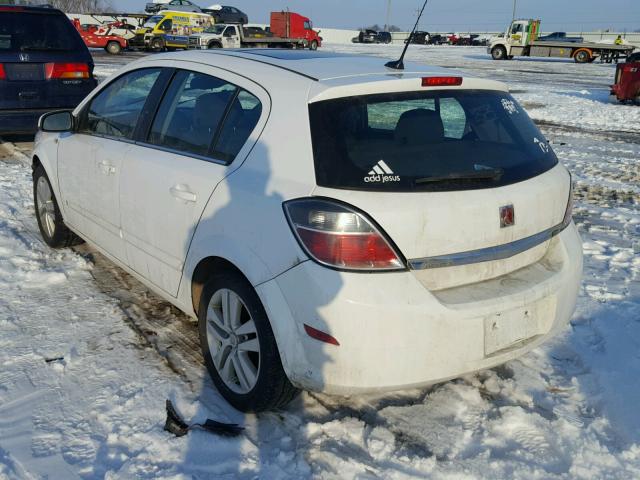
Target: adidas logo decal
[(381, 173), (381, 168)]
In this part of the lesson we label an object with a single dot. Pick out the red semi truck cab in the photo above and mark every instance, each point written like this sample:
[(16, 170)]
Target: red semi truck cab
[(294, 25)]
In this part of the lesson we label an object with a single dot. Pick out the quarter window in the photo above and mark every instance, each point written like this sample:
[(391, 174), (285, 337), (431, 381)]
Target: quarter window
[(242, 119), (114, 112)]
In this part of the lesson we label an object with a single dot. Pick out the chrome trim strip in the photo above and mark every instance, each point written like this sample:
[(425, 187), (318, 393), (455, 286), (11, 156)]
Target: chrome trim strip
[(499, 252)]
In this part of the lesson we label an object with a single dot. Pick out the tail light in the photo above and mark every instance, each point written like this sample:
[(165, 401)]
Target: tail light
[(66, 70), (568, 214), (338, 236), (3, 74)]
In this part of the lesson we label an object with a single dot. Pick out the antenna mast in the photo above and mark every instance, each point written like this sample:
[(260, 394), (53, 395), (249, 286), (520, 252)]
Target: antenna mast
[(399, 64)]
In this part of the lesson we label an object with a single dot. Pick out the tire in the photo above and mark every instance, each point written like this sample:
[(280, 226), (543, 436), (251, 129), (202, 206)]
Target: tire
[(157, 45), (261, 384), (582, 56), (499, 53), (213, 45), (313, 45), (52, 228), (113, 47)]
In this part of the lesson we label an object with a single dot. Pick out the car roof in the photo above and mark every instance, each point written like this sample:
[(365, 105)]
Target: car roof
[(321, 66), (330, 74)]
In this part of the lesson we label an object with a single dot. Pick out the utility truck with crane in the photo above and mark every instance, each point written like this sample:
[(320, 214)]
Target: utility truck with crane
[(522, 40)]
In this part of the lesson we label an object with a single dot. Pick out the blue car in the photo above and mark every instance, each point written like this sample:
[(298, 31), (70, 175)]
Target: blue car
[(44, 66)]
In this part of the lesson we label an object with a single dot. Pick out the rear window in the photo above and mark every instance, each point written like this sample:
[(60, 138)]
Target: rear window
[(425, 141), (26, 31)]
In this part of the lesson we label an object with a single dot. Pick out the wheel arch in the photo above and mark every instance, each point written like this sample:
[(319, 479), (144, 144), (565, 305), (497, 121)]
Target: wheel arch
[(204, 270), (35, 162)]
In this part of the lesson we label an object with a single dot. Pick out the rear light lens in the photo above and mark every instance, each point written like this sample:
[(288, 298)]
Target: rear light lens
[(340, 237), (568, 214), (320, 335), (66, 70), (3, 74), (441, 81)]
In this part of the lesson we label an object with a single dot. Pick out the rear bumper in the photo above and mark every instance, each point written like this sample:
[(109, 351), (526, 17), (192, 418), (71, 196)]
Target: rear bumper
[(395, 334)]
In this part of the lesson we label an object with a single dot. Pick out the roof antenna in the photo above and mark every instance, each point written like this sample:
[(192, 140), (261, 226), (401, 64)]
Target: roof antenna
[(399, 64)]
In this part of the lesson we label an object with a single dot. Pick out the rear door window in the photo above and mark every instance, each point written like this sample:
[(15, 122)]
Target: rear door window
[(114, 112), (27, 31), (444, 140), (205, 116), (191, 113)]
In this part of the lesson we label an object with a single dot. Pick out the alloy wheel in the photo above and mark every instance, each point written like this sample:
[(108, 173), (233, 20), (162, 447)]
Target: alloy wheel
[(45, 208), (233, 341)]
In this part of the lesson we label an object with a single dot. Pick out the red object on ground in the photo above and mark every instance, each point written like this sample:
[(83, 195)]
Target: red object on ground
[(293, 25), (627, 86)]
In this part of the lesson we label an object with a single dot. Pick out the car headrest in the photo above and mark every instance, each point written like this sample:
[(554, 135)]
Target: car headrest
[(205, 82), (209, 109), (419, 127)]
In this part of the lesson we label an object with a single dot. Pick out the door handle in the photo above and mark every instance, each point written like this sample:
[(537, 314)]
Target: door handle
[(182, 192), (106, 167)]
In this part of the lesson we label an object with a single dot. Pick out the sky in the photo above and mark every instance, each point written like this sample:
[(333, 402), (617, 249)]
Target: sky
[(443, 15)]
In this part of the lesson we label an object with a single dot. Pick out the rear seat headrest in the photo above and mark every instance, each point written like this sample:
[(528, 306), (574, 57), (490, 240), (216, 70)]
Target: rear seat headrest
[(419, 127)]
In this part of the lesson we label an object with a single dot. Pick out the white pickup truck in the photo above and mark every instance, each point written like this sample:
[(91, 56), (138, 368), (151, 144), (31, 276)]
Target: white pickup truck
[(238, 36)]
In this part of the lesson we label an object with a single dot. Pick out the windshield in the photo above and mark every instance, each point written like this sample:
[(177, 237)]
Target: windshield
[(425, 141), (153, 21), (216, 29), (26, 31)]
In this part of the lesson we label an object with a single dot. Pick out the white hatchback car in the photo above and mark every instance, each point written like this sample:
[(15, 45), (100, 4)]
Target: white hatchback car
[(334, 225)]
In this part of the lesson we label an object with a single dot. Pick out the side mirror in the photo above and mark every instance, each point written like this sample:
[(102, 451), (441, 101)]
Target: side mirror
[(60, 121)]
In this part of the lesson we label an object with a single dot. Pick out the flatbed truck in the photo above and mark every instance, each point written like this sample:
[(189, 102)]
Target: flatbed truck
[(521, 40), (287, 30)]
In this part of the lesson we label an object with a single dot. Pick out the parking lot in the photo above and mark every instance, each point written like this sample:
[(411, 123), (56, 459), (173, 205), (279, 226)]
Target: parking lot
[(109, 352)]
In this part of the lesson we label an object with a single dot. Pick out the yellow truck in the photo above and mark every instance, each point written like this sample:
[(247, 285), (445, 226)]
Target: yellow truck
[(170, 30)]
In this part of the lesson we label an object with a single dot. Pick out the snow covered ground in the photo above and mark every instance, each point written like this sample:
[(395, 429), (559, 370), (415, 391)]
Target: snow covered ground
[(88, 356)]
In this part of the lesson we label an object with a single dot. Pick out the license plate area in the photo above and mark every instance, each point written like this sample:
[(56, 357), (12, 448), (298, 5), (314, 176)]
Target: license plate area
[(515, 328), (24, 72)]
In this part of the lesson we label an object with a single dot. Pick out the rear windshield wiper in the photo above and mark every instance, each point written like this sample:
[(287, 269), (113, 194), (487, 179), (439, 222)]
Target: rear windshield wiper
[(485, 174)]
